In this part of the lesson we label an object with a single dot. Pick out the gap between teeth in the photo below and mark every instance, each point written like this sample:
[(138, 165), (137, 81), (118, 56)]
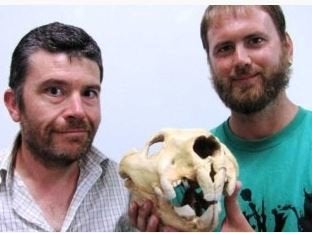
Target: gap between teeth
[(187, 212), (184, 211), (169, 193)]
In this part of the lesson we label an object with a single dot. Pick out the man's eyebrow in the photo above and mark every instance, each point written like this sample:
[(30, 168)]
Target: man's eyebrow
[(54, 82), (65, 83), (221, 44), (95, 86)]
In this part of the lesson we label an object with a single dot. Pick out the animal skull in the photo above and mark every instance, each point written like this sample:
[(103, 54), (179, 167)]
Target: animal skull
[(185, 180)]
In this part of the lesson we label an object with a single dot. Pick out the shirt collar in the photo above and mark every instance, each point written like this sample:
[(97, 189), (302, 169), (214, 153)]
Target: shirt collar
[(6, 164), (94, 156)]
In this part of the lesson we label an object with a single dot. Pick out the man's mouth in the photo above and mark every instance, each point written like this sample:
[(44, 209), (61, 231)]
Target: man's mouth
[(74, 131), (245, 77)]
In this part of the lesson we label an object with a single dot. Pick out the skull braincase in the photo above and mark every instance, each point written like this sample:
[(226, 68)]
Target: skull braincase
[(185, 178)]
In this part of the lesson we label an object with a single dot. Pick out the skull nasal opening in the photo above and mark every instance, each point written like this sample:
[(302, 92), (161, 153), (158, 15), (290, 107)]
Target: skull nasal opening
[(205, 147)]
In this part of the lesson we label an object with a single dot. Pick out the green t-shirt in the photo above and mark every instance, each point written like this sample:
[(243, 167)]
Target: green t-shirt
[(276, 173)]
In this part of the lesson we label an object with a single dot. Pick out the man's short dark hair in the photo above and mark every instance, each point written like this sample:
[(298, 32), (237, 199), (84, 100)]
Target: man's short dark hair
[(55, 38)]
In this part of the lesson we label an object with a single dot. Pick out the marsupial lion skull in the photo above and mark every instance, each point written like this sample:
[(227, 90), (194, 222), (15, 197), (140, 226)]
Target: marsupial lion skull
[(185, 179)]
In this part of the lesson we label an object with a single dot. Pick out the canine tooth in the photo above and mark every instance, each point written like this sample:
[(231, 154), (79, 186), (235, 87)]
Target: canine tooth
[(210, 196), (185, 211), (176, 183), (185, 183), (211, 215), (167, 188), (158, 191)]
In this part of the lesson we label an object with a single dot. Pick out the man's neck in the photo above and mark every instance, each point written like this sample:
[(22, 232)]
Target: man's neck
[(266, 122), (29, 167), (51, 188)]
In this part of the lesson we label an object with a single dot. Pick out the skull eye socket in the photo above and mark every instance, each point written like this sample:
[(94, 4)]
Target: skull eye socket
[(205, 147), (155, 145)]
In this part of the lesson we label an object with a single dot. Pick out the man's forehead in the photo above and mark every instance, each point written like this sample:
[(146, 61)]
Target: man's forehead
[(244, 17), (220, 13)]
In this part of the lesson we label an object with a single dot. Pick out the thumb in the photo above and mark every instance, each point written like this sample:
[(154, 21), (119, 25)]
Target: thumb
[(234, 220), (232, 208)]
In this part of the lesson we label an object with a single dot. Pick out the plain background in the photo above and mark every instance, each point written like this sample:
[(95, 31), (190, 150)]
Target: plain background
[(155, 70)]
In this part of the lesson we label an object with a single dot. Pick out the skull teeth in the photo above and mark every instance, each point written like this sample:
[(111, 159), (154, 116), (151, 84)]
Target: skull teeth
[(167, 188), (179, 188), (189, 199), (184, 182), (209, 215), (176, 183), (185, 211)]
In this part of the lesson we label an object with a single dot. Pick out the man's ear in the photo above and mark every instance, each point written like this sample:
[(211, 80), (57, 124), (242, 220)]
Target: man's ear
[(289, 47), (11, 104)]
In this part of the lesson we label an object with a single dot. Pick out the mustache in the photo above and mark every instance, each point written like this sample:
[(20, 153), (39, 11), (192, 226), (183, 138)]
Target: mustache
[(75, 124), (244, 69)]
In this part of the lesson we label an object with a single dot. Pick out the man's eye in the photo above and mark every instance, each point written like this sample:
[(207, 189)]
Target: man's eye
[(91, 93), (224, 50), (54, 91), (256, 41)]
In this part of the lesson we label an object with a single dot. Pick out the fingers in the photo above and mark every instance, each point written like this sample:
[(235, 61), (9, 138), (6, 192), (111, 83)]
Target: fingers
[(153, 223), (141, 216), (232, 199), (234, 220), (133, 213), (231, 203)]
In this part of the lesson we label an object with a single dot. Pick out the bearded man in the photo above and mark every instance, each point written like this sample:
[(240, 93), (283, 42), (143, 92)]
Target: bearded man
[(53, 179), (250, 54)]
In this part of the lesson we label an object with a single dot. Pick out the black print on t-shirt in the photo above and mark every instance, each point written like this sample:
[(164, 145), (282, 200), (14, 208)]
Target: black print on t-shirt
[(256, 216)]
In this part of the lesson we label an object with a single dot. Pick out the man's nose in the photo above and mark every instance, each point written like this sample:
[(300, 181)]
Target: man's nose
[(75, 106), (241, 56)]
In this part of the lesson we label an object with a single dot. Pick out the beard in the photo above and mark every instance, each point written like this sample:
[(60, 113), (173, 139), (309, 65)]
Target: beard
[(248, 99), (45, 149)]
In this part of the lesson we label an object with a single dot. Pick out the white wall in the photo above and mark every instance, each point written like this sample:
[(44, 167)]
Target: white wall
[(155, 70)]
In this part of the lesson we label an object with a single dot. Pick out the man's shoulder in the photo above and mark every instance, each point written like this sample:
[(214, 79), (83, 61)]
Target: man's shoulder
[(218, 131), (4, 155), (306, 116), (101, 159), (308, 112)]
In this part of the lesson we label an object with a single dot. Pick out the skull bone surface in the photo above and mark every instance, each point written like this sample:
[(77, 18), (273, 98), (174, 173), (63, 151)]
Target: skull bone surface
[(185, 179)]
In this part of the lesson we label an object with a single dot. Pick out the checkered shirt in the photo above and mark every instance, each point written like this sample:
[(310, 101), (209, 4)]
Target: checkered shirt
[(99, 201)]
